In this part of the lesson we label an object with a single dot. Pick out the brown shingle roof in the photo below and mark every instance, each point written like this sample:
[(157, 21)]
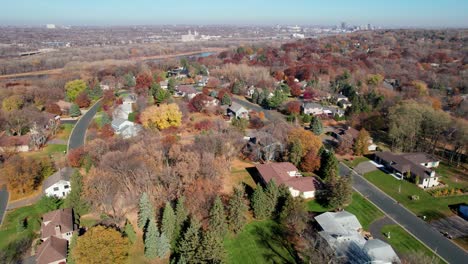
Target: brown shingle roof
[(279, 173), (62, 218), (51, 250), (407, 162)]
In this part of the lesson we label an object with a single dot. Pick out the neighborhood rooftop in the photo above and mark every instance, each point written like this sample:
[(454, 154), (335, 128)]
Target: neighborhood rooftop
[(61, 174)]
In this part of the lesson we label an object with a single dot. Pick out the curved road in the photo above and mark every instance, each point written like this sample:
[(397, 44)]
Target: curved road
[(413, 224), (78, 134)]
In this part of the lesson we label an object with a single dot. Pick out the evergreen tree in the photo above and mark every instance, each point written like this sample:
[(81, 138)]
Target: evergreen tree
[(272, 194), (129, 80), (74, 199), (295, 152), (226, 100), (218, 218), (236, 88), (255, 96), (328, 166), (154, 88), (145, 212), (316, 126), (237, 210), (339, 192), (74, 110), (259, 203), (168, 222), (171, 85), (151, 239), (212, 248), (180, 217), (188, 245), (161, 96), (262, 97), (163, 246), (277, 99)]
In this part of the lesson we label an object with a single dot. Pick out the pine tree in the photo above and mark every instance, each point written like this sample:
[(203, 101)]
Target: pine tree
[(151, 239), (237, 210), (339, 192), (316, 126), (145, 212), (328, 166), (163, 246), (212, 248), (271, 193), (74, 110), (218, 218), (180, 217), (226, 100), (74, 199), (259, 203), (296, 152), (255, 96), (188, 245), (168, 221)]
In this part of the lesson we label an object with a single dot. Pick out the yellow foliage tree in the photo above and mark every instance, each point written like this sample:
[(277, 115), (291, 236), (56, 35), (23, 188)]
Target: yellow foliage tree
[(361, 146), (101, 244), (161, 117), (309, 142), (420, 86), (13, 102)]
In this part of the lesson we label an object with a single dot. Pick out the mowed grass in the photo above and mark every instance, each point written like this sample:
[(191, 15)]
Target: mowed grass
[(259, 242), (404, 243), (65, 131), (364, 210), (431, 207), (452, 176), (314, 206)]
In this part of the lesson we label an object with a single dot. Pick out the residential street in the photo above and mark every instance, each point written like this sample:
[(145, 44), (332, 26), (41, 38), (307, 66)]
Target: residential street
[(77, 137), (3, 201), (420, 229)]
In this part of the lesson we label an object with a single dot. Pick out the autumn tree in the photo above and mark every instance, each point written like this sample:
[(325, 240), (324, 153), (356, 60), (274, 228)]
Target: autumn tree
[(236, 210), (307, 140), (374, 79), (53, 109), (75, 157), (14, 102), (296, 90), (74, 88), (420, 87), (310, 162), (161, 117), (101, 245), (143, 83), (361, 145), (145, 211), (107, 131), (293, 107), (82, 100), (25, 174)]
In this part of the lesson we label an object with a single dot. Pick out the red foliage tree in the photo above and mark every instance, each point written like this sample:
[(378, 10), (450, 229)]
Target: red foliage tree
[(293, 107), (197, 104), (83, 100), (53, 109), (204, 125), (296, 90), (213, 83), (309, 94), (143, 83), (75, 157), (107, 131), (108, 98), (310, 162)]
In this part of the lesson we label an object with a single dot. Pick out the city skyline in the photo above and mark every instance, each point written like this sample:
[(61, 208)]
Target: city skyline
[(398, 13)]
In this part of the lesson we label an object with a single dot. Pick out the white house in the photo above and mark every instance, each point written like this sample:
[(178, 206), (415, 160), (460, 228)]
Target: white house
[(164, 84), (123, 110), (125, 128), (238, 111), (311, 108), (342, 231), (286, 173), (58, 184)]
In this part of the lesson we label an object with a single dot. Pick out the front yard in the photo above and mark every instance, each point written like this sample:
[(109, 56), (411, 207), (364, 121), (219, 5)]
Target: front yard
[(431, 207), (364, 210), (354, 161)]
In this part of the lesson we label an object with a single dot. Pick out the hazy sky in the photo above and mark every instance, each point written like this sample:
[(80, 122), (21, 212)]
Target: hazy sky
[(393, 13)]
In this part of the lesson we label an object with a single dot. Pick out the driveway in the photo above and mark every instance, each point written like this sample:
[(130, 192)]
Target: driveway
[(77, 137), (365, 167), (420, 229), (4, 195)]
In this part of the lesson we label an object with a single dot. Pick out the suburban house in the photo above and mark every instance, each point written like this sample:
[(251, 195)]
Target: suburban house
[(64, 106), (238, 111), (58, 223), (315, 109), (125, 128), (58, 184), (286, 173), (418, 165), (14, 143), (350, 134), (123, 110), (164, 84), (343, 101), (263, 147), (343, 233), (186, 91), (203, 81), (391, 84), (178, 72), (52, 251)]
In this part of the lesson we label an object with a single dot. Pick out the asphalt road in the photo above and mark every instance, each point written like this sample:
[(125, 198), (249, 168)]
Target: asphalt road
[(77, 137), (416, 226), (3, 201)]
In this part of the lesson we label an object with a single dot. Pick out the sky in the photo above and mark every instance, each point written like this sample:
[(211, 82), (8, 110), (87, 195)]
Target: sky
[(385, 13)]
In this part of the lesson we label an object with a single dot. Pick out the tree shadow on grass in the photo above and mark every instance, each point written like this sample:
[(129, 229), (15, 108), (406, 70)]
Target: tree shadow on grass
[(274, 239)]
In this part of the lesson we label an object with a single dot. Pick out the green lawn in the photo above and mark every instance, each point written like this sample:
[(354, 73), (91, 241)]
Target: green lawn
[(427, 205), (65, 131), (403, 243), (259, 242), (353, 163), (365, 211), (314, 206), (453, 177)]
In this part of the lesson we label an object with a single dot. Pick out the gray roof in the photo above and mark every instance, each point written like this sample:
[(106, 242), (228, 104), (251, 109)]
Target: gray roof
[(117, 122), (235, 107), (62, 174), (380, 252), (339, 222), (312, 105)]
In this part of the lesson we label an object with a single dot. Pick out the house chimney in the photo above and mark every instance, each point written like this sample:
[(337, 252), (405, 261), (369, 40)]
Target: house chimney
[(57, 231)]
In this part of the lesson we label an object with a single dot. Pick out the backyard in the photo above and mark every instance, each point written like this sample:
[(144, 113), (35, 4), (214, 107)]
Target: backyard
[(259, 242), (427, 205)]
